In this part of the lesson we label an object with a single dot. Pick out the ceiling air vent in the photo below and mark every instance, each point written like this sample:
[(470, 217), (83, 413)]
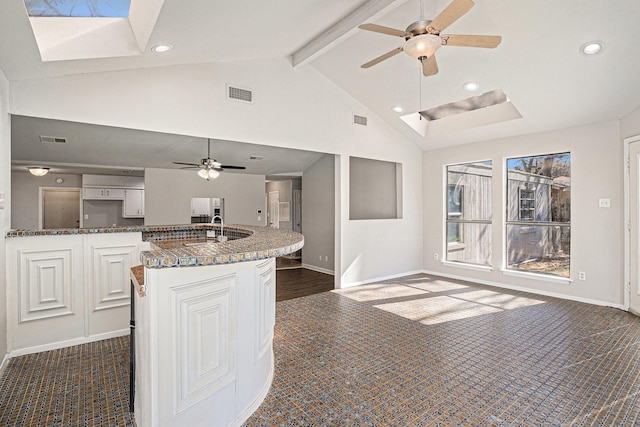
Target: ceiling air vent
[(359, 120), (256, 157), (52, 140), (239, 94)]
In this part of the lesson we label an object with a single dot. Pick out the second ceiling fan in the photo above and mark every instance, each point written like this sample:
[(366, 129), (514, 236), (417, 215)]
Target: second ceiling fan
[(209, 168), (423, 38)]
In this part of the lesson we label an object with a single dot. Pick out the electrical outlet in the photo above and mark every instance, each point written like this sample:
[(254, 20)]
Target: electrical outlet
[(320, 257), (86, 216), (436, 256), (326, 258), (582, 275)]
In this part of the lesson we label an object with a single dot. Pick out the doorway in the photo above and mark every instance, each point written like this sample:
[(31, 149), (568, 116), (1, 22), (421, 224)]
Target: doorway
[(632, 219), (60, 208), (273, 209)]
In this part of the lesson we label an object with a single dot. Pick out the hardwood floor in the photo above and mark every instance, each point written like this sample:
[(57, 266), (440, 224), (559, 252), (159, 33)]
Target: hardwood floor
[(283, 263), (301, 282)]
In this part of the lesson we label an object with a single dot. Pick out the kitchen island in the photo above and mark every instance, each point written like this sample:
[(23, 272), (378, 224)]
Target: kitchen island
[(204, 330), (205, 310)]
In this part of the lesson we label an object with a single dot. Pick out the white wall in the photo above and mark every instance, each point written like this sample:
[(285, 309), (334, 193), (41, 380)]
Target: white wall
[(596, 233), (168, 194), (297, 108), (25, 190), (5, 213), (318, 214)]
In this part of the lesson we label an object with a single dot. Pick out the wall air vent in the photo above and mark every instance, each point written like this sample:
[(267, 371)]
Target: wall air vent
[(359, 120), (239, 94), (52, 140)]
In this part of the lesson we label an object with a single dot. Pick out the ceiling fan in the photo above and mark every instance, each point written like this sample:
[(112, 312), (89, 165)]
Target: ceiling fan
[(209, 168), (423, 38)]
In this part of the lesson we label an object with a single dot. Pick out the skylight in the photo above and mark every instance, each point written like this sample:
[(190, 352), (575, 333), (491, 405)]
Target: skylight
[(78, 8)]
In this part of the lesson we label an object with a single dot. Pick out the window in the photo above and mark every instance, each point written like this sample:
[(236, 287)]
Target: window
[(538, 226), (468, 220)]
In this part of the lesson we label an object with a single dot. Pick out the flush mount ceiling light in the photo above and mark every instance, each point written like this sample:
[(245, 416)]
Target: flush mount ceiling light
[(592, 48), (159, 48), (470, 86), (397, 109), (38, 170)]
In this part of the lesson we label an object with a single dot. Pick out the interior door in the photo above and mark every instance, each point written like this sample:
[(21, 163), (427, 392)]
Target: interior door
[(634, 227), (273, 209), (60, 208)]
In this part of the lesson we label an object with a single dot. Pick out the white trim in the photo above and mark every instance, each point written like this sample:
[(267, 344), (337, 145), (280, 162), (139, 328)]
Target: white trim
[(318, 269), (68, 343), (538, 276), (244, 415), (378, 279), (528, 290), (467, 266), (627, 218)]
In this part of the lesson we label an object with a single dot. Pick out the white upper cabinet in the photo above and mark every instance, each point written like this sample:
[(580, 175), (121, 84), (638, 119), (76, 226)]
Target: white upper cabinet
[(133, 205)]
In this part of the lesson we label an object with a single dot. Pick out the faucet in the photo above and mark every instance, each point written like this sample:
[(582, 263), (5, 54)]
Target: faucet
[(221, 223)]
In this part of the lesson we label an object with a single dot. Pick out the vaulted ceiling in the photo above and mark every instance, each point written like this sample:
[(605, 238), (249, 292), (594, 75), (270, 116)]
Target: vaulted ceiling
[(538, 65)]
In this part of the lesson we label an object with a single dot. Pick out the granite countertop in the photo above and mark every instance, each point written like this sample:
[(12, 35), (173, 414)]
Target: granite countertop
[(260, 243), (137, 275), (246, 243)]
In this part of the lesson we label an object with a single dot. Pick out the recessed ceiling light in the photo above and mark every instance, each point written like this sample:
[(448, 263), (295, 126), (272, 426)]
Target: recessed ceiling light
[(397, 109), (592, 48), (159, 48), (470, 86)]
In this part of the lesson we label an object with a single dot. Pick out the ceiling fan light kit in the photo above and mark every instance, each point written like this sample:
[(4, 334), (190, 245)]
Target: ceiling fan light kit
[(422, 46)]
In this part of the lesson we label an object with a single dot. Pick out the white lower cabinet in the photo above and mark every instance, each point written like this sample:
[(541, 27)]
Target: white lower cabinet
[(69, 289)]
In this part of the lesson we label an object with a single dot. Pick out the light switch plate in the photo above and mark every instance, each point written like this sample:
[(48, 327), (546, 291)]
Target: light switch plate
[(604, 203)]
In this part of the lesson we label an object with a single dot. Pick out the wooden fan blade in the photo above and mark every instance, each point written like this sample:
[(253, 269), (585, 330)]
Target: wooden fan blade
[(450, 14), (190, 167), (471, 41), (384, 30), (430, 66), (382, 57), (188, 164), (232, 167)]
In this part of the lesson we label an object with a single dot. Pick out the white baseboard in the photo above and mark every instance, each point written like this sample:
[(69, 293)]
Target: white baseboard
[(318, 269), (525, 289), (379, 279), (67, 343)]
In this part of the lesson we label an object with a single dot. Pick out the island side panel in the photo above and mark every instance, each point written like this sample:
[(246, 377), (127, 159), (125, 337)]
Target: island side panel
[(214, 361)]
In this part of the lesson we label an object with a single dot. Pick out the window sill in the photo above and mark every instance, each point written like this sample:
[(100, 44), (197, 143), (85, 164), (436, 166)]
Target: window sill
[(538, 276), (464, 265), (452, 247)]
